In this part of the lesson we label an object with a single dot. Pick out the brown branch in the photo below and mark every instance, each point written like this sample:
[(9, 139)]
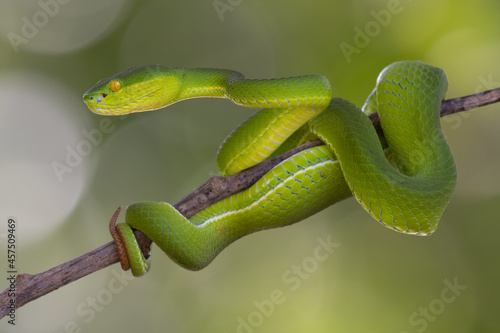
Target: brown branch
[(466, 103), (30, 287)]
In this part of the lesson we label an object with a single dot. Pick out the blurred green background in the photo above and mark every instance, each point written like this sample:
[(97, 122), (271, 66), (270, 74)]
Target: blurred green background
[(65, 170)]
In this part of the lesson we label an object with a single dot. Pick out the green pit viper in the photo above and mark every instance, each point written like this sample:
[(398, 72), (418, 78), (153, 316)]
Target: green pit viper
[(404, 178)]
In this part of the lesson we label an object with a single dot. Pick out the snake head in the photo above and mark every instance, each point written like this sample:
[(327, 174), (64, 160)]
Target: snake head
[(135, 89)]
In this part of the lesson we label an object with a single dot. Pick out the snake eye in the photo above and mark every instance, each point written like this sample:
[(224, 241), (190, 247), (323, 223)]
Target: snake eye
[(115, 85)]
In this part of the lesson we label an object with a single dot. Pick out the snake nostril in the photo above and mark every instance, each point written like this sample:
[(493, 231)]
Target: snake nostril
[(104, 95)]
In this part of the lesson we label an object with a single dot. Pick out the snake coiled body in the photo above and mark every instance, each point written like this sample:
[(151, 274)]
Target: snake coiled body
[(407, 192)]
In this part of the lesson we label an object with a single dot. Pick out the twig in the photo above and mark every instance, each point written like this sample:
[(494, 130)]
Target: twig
[(30, 287)]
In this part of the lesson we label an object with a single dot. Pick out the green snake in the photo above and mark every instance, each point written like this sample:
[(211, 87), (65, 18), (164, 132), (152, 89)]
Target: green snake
[(403, 178)]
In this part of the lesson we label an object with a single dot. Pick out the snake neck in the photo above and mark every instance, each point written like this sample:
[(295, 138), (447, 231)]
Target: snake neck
[(205, 82)]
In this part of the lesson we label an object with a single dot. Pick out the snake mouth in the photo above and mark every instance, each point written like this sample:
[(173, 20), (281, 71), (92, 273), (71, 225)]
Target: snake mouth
[(94, 102)]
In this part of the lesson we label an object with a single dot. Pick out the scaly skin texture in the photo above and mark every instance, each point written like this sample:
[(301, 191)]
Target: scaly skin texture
[(410, 198)]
